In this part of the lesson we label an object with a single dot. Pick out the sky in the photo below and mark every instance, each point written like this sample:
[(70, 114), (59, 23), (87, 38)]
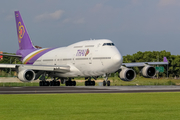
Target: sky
[(133, 25)]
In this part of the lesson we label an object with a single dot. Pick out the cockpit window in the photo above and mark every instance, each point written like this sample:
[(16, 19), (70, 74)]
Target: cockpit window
[(108, 44)]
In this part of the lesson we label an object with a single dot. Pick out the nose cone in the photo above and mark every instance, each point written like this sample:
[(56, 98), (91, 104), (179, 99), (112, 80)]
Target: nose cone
[(117, 59)]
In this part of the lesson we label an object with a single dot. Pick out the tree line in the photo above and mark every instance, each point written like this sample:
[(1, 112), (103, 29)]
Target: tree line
[(172, 70)]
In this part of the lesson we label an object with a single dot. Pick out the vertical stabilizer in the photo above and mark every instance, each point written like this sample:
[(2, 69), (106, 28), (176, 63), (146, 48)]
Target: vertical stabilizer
[(23, 37)]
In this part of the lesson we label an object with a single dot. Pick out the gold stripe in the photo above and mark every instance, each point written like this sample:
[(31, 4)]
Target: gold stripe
[(33, 55)]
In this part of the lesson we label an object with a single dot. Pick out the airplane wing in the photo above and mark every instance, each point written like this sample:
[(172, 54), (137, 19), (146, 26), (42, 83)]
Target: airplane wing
[(11, 55), (53, 68), (141, 64)]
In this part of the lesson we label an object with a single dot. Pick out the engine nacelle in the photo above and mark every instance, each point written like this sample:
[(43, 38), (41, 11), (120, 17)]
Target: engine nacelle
[(148, 71), (26, 75), (127, 74)]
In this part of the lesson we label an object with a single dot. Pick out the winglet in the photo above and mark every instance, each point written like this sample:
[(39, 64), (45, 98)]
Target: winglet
[(165, 59)]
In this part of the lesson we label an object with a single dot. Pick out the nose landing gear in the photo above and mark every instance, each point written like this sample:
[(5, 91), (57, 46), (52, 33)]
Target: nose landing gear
[(106, 81)]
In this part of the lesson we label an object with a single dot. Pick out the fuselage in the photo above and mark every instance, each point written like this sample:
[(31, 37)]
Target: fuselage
[(85, 58)]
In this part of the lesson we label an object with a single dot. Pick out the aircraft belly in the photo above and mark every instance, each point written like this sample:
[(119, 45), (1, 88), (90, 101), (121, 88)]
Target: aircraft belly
[(94, 69)]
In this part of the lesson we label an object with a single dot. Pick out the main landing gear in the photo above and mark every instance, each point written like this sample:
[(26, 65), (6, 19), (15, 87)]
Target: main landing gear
[(89, 82), (106, 81), (70, 83), (51, 83)]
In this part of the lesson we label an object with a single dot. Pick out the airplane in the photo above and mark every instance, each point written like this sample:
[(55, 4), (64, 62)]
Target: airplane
[(88, 59)]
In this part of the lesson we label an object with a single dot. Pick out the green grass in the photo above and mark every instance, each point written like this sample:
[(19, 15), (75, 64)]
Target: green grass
[(25, 84), (124, 106), (144, 81)]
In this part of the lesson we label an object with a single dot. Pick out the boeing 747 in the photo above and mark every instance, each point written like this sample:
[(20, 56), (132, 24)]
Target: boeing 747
[(89, 59)]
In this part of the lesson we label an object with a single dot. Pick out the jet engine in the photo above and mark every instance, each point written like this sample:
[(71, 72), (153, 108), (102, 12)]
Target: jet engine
[(127, 74), (148, 71), (26, 75)]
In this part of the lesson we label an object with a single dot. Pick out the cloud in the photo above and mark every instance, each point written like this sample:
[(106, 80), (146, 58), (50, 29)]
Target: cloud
[(164, 3), (49, 16), (74, 20)]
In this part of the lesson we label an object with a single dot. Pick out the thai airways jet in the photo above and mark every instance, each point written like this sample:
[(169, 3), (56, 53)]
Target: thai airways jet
[(89, 59)]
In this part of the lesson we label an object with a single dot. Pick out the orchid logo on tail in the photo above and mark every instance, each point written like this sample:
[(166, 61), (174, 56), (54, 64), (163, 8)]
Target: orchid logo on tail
[(21, 31)]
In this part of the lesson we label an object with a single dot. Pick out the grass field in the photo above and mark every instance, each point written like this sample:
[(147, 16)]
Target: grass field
[(121, 106)]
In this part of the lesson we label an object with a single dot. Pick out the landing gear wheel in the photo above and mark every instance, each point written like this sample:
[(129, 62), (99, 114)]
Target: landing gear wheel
[(108, 83), (104, 83), (92, 83), (40, 83), (73, 83), (51, 83), (54, 83), (67, 83), (70, 83), (57, 83), (85, 83), (46, 83), (89, 83)]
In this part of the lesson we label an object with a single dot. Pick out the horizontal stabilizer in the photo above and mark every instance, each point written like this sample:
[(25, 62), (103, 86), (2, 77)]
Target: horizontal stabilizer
[(11, 55)]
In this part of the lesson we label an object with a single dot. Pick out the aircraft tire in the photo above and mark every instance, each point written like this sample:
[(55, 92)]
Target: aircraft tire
[(108, 83), (52, 83), (57, 83), (92, 83), (85, 83), (40, 83), (73, 83), (46, 83), (104, 83), (88, 83), (67, 83), (43, 83)]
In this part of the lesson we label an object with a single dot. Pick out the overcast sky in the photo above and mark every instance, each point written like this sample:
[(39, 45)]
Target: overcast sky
[(133, 25)]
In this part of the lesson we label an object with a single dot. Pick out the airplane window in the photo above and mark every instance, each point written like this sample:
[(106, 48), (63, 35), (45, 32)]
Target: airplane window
[(108, 44), (104, 44)]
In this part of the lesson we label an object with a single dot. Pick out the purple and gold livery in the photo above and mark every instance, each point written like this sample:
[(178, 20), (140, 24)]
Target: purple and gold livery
[(26, 49), (35, 55), (23, 37)]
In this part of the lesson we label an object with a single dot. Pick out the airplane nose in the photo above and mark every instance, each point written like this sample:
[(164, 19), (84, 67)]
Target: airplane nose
[(117, 59)]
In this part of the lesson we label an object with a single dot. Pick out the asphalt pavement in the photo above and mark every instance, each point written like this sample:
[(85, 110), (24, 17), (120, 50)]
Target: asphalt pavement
[(87, 89)]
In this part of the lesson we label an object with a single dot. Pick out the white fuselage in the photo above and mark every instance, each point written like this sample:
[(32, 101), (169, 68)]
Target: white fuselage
[(85, 58)]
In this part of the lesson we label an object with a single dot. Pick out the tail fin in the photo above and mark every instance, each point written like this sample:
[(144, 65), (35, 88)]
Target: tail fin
[(165, 59), (23, 37)]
